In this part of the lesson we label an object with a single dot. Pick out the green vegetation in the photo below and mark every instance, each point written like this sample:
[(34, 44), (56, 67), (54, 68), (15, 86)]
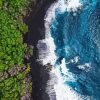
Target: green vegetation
[(12, 49), (15, 87)]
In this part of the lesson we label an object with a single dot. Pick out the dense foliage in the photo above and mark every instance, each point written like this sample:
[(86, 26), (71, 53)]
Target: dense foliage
[(12, 49)]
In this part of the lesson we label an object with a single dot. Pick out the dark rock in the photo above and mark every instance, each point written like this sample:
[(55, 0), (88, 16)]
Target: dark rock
[(35, 22)]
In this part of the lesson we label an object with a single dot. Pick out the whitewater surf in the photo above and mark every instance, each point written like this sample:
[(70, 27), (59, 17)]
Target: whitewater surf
[(71, 46)]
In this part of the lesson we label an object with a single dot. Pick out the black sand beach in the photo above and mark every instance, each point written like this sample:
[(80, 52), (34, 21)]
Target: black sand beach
[(35, 22)]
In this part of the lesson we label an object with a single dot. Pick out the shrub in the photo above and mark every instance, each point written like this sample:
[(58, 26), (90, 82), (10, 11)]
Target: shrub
[(12, 48)]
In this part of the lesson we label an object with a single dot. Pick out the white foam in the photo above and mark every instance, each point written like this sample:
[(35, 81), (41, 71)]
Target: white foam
[(74, 60), (68, 76), (50, 56), (69, 5), (62, 6), (73, 5), (86, 67), (65, 92)]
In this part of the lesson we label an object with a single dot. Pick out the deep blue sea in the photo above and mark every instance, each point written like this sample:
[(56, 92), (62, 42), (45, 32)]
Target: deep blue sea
[(77, 39)]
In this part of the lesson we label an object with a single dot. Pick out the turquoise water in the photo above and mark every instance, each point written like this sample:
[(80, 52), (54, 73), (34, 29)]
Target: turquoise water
[(77, 34)]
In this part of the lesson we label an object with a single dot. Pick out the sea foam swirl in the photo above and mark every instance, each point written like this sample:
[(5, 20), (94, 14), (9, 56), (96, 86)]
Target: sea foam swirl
[(62, 81)]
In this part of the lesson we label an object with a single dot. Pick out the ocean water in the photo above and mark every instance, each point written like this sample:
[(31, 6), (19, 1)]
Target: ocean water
[(76, 36), (75, 31)]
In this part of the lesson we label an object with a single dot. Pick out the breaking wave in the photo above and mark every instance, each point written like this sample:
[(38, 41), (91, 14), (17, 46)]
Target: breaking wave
[(72, 47)]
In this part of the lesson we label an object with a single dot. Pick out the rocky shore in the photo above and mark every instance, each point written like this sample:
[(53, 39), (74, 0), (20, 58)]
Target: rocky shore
[(35, 22)]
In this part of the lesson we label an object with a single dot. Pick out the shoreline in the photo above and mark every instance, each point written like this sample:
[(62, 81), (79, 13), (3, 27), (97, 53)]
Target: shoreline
[(36, 32)]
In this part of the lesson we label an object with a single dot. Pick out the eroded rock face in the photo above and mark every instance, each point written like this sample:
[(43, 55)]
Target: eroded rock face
[(42, 49)]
